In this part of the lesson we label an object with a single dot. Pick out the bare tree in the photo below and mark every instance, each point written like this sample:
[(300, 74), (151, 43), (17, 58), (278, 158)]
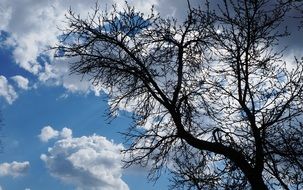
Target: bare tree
[(211, 97)]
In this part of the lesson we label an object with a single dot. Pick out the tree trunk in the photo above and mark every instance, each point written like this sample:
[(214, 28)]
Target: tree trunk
[(257, 183)]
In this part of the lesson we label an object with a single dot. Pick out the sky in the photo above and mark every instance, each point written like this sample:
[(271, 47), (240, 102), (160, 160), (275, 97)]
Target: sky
[(55, 133)]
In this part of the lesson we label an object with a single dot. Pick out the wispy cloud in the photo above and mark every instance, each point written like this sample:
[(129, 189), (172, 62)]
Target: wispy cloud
[(21, 82), (7, 91)]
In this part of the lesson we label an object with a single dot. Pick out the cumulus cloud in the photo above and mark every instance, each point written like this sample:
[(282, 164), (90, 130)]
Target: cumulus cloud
[(7, 91), (88, 162), (66, 133), (21, 81), (14, 169), (48, 133)]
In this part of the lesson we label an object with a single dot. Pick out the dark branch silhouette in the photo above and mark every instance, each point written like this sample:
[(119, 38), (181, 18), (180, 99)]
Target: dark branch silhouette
[(212, 97)]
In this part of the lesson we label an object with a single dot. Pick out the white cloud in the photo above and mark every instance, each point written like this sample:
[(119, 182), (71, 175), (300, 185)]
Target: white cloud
[(66, 133), (7, 91), (58, 73), (21, 81), (14, 169), (32, 32), (48, 133), (88, 162)]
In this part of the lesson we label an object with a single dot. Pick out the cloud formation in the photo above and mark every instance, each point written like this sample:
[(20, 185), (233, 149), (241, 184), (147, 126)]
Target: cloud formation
[(21, 82), (57, 73), (48, 133), (88, 162), (7, 91), (32, 32), (14, 169)]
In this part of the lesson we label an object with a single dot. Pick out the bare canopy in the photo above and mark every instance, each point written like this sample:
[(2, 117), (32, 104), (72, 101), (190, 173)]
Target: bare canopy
[(212, 97)]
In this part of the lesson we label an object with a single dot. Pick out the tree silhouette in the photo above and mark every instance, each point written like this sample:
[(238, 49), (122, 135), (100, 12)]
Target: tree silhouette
[(212, 98)]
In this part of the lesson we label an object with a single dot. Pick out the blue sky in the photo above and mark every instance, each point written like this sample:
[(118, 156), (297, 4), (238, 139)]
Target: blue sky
[(43, 105), (55, 132)]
